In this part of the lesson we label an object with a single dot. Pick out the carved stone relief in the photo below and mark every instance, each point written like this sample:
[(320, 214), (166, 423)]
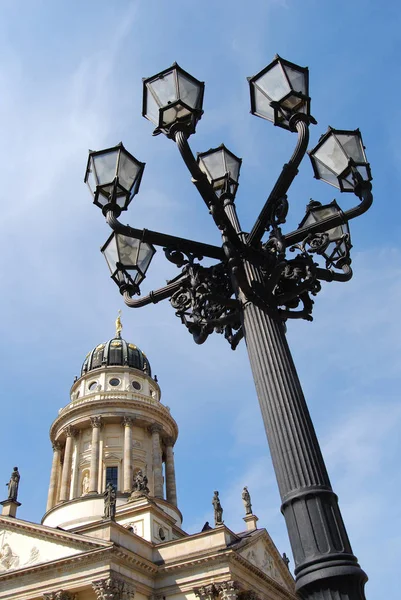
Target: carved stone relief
[(113, 588)]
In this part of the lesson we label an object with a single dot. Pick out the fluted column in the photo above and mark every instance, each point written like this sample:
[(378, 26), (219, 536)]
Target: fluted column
[(66, 473), (171, 488), (127, 423), (54, 475), (325, 566), (96, 423), (155, 430)]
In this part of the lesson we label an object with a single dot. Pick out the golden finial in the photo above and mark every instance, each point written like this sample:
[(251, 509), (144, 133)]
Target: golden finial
[(118, 325)]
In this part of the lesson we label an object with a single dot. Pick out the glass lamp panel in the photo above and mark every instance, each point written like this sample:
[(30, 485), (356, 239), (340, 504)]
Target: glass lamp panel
[(90, 178), (364, 172), (274, 83), (297, 79), (352, 145), (233, 166), (105, 166), (152, 108), (164, 88), (331, 154), (111, 254), (326, 174), (174, 113), (213, 165), (145, 255), (188, 90), (121, 200), (128, 170), (335, 234), (127, 250), (262, 105)]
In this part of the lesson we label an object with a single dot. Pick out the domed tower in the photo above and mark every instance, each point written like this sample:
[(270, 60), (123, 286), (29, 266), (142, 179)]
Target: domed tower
[(115, 430)]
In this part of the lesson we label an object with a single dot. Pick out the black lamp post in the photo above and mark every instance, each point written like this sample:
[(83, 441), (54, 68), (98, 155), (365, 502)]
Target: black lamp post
[(255, 286)]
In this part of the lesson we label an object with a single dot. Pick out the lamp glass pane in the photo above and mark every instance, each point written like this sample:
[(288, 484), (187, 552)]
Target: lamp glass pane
[(352, 145), (128, 170), (364, 172), (274, 83), (127, 250), (105, 166), (297, 79), (262, 105), (90, 178), (188, 90), (233, 166), (111, 254), (164, 88), (326, 174), (213, 165), (174, 113), (145, 255), (152, 108), (331, 154)]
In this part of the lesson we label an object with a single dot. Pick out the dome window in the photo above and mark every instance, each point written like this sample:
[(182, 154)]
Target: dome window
[(136, 385), (92, 385), (114, 382)]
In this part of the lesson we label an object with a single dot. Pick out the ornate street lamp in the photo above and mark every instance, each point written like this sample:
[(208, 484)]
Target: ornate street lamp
[(128, 260), (173, 97), (113, 177), (222, 168), (255, 285), (337, 156)]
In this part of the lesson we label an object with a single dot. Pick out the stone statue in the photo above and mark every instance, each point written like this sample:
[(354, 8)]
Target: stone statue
[(119, 325), (85, 484), (110, 502), (246, 498), (13, 485), (218, 511), (286, 560), (140, 483)]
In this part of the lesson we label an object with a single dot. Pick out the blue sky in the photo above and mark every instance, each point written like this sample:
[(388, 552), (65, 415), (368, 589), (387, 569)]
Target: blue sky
[(70, 79)]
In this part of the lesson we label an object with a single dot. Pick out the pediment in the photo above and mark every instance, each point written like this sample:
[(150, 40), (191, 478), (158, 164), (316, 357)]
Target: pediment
[(263, 554), (24, 544)]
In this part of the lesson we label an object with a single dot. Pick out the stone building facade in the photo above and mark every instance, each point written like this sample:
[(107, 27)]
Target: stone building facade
[(115, 433)]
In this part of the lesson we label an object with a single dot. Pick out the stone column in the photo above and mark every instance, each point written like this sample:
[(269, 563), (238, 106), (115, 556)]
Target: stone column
[(113, 588), (96, 423), (75, 492), (155, 430), (66, 474), (54, 475), (171, 489), (127, 479)]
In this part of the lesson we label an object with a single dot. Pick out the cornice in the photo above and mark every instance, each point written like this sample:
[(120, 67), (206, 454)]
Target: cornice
[(156, 412), (234, 557), (42, 531)]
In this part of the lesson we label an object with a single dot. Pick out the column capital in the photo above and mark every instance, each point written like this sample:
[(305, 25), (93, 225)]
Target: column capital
[(56, 446), (127, 421), (227, 590), (156, 428), (169, 440), (113, 588), (59, 595), (96, 421), (205, 592), (70, 431)]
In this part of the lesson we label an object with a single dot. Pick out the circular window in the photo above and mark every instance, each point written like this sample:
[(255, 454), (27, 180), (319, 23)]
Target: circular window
[(92, 385), (136, 385), (114, 382)]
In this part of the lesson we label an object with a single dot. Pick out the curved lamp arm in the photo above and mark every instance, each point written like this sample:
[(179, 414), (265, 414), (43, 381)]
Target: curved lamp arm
[(153, 297), (164, 240), (331, 275), (205, 189), (363, 190), (284, 181)]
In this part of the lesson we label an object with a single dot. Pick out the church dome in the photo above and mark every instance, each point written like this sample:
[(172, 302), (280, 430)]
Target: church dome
[(116, 352)]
